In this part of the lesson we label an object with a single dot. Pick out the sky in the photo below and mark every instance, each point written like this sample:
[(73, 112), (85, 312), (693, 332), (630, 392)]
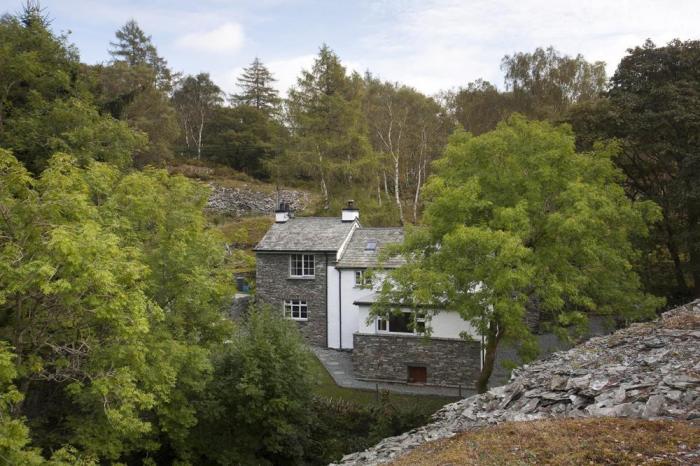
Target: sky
[(431, 45)]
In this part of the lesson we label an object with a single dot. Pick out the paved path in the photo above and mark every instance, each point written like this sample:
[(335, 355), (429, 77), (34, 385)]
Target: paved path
[(339, 366)]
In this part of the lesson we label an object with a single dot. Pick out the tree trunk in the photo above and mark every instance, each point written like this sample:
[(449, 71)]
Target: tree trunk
[(493, 336), (324, 187), (199, 138), (415, 199), (694, 250), (386, 184), (673, 251), (396, 188), (379, 192)]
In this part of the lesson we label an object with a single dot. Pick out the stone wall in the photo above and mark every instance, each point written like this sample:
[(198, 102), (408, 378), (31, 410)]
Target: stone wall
[(449, 362), (248, 201), (274, 286)]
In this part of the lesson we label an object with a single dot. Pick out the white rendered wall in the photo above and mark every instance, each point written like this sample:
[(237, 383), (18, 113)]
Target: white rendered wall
[(444, 324), (332, 307), (349, 310)]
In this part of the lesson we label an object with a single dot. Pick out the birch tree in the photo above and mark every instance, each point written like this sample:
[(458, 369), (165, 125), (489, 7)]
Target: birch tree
[(195, 99)]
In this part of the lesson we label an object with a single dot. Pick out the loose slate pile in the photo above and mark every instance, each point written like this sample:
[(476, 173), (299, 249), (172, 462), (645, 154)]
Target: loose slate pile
[(646, 371), (236, 202)]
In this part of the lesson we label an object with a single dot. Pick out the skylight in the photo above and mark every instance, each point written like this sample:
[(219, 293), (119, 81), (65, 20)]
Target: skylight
[(371, 245)]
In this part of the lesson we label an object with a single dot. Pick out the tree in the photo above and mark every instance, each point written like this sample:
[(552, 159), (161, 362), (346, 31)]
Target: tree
[(408, 130), (328, 129), (255, 83), (480, 106), (544, 83), (111, 300), (73, 126), (517, 222), (37, 70), (257, 406), (195, 99), (245, 139), (135, 48), (652, 110)]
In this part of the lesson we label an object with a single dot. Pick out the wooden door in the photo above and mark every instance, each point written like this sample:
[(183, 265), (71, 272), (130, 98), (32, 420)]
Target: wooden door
[(417, 374)]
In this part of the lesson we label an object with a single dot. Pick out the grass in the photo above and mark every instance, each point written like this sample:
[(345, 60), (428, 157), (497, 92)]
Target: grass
[(564, 442), (327, 387), (243, 232)]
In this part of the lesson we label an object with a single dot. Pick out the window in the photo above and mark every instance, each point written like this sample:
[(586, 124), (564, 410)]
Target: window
[(301, 265), (401, 323), (371, 245), (296, 309), (361, 279)]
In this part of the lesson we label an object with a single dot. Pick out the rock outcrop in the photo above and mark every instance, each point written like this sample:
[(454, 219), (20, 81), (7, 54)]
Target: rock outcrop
[(648, 371), (248, 201)]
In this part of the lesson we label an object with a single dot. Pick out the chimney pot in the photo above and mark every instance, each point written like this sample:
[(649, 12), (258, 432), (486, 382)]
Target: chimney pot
[(350, 213)]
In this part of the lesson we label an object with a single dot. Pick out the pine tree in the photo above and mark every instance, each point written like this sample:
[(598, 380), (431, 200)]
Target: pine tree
[(135, 48), (327, 124), (256, 88)]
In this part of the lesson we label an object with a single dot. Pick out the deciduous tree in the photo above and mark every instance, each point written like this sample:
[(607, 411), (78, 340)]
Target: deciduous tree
[(517, 221)]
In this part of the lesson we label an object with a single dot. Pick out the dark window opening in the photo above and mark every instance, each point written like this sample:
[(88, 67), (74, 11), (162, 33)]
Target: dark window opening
[(417, 374)]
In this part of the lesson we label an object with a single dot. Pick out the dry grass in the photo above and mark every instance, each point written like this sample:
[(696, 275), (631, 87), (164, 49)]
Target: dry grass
[(565, 442), (682, 321)]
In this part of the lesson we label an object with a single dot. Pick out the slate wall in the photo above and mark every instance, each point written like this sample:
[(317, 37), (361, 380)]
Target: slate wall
[(274, 286), (449, 362)]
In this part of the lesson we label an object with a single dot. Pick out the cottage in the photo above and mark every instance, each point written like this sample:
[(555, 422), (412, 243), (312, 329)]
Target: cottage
[(313, 269)]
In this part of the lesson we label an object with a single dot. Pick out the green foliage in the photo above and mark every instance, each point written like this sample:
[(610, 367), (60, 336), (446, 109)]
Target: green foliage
[(14, 434), (135, 48), (75, 127), (195, 98), (256, 409), (255, 83), (518, 222), (545, 83), (138, 290), (246, 139), (330, 145), (652, 110)]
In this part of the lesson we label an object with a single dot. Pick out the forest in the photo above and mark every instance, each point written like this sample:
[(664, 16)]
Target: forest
[(115, 345)]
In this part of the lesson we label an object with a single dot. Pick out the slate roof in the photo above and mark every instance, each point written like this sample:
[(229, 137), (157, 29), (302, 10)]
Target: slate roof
[(357, 255), (306, 234)]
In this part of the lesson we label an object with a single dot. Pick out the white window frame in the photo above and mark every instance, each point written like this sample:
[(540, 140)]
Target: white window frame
[(361, 280), (292, 306), (382, 322), (307, 270)]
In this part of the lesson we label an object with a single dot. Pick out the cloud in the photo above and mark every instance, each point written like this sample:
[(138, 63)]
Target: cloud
[(438, 44), (226, 38)]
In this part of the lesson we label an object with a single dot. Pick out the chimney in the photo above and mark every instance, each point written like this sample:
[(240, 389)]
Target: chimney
[(282, 213), (350, 212)]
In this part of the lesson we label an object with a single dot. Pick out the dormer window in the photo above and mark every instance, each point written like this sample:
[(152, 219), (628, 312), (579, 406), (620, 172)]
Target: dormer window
[(302, 265), (362, 279)]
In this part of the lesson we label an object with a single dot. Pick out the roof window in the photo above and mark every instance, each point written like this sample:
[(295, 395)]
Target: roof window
[(371, 245)]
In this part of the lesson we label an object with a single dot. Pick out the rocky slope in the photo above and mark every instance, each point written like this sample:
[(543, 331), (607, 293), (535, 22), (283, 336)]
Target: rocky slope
[(646, 371), (247, 201)]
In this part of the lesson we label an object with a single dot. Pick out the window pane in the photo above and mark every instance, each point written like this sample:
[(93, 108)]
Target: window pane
[(381, 324), (400, 323)]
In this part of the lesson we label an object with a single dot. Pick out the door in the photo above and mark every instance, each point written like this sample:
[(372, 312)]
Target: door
[(417, 374)]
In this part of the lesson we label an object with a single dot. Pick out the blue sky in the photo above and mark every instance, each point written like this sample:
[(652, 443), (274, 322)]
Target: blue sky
[(429, 44)]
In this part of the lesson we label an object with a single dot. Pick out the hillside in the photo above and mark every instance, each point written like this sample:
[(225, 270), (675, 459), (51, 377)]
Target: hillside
[(647, 371)]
